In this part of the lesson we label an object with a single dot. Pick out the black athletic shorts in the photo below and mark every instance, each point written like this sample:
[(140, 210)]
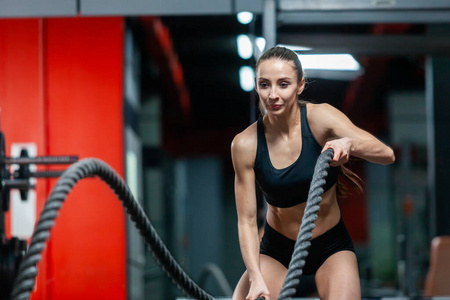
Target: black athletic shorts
[(279, 247)]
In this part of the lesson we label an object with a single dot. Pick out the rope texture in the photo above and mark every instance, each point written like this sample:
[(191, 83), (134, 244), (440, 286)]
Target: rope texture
[(27, 272), (302, 243)]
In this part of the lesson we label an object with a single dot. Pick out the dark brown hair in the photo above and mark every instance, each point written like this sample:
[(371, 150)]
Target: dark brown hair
[(283, 53), (347, 179)]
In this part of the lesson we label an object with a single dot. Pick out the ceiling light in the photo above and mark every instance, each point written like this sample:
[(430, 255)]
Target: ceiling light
[(260, 43), (245, 17), (296, 48), (247, 78), (245, 47), (338, 62)]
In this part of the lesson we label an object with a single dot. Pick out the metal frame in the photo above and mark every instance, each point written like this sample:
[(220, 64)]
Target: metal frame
[(155, 8), (363, 16), (340, 5), (339, 12), (370, 44), (290, 11), (270, 23), (38, 8)]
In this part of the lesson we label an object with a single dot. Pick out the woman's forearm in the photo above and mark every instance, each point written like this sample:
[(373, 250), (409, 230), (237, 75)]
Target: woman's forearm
[(371, 150), (249, 244)]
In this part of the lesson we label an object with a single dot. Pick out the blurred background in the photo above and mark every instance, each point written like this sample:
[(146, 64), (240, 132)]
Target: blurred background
[(158, 89)]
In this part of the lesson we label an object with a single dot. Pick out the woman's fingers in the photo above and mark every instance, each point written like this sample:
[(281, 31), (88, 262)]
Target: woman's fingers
[(340, 156)]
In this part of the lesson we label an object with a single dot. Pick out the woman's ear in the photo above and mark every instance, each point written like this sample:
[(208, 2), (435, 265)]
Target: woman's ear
[(301, 86)]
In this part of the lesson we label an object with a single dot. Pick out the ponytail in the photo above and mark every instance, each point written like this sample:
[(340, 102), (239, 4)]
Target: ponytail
[(348, 181)]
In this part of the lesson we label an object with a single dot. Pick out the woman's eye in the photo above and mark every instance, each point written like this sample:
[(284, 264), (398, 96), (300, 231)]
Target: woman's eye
[(263, 85), (284, 85)]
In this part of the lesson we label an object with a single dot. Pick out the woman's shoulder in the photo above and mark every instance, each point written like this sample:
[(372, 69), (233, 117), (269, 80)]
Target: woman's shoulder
[(322, 113), (322, 118), (247, 138), (320, 108), (246, 141)]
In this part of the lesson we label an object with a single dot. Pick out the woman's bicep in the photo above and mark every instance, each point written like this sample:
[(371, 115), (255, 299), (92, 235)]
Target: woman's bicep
[(338, 125), (363, 144), (244, 189), (348, 129), (244, 183)]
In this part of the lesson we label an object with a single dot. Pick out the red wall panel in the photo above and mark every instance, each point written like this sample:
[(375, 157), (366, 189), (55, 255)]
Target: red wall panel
[(22, 100), (85, 64), (61, 87)]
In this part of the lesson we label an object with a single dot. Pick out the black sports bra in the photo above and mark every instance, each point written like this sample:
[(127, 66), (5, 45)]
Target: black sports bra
[(289, 186)]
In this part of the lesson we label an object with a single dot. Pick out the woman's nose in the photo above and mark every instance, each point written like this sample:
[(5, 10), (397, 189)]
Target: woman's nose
[(273, 93)]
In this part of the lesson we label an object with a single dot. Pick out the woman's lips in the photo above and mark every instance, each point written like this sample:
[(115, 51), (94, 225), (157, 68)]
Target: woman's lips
[(275, 106)]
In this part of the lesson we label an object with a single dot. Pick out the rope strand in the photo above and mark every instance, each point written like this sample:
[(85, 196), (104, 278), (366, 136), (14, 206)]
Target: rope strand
[(27, 272), (302, 243), (25, 280)]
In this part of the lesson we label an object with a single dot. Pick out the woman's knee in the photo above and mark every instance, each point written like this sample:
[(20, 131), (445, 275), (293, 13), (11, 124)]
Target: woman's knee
[(338, 277), (242, 288), (273, 273)]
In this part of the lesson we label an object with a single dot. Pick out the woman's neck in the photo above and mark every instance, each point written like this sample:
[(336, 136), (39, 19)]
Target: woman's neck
[(285, 123)]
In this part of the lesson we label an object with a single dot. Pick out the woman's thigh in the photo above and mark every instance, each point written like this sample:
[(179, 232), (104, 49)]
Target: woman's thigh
[(338, 277), (273, 273)]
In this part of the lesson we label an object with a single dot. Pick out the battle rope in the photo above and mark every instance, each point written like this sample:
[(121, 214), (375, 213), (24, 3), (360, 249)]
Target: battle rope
[(27, 272), (302, 243)]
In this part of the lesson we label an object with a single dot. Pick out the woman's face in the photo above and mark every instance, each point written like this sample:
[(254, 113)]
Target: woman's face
[(277, 85)]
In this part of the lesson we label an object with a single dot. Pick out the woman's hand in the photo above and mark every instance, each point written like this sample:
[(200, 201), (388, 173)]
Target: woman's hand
[(342, 149), (258, 289)]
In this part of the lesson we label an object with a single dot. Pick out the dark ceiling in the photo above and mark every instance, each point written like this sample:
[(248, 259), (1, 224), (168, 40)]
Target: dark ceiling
[(206, 48)]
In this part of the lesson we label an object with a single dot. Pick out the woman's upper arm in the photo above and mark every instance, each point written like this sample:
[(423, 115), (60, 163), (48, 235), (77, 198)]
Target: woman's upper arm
[(336, 124), (333, 124), (243, 151)]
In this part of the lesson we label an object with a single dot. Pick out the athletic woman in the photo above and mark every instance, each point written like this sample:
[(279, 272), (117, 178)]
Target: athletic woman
[(279, 151)]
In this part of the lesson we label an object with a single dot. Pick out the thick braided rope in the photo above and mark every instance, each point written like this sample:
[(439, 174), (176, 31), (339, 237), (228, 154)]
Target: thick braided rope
[(27, 272), (302, 243)]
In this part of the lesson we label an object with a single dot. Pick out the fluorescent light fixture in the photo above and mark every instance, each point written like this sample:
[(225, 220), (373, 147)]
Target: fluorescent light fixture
[(247, 78), (296, 48), (337, 62), (245, 17), (260, 43), (327, 66), (245, 47)]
